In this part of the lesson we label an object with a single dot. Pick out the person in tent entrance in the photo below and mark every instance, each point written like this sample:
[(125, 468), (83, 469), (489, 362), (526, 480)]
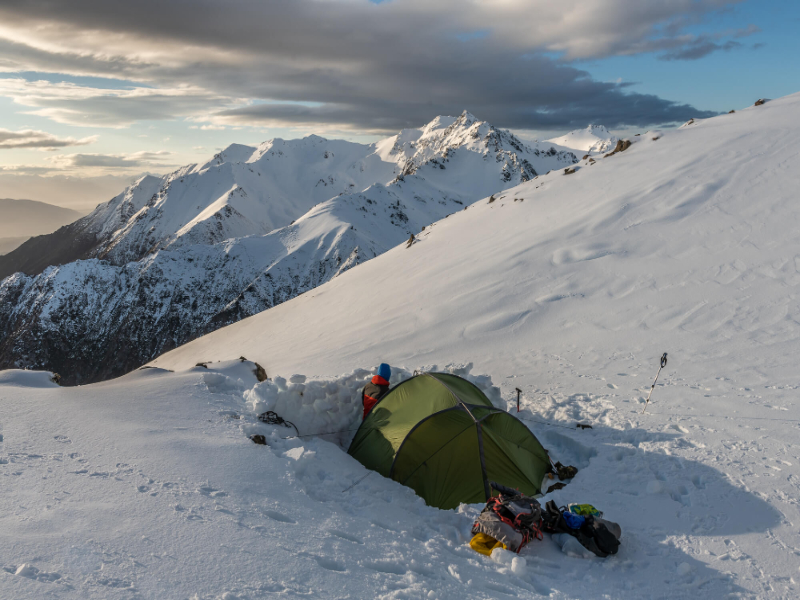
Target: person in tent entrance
[(376, 389)]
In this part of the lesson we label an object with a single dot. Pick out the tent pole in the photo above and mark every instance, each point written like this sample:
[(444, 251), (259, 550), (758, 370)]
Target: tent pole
[(519, 391)]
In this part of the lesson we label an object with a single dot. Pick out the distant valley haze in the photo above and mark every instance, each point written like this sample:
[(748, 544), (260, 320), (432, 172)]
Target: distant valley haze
[(22, 219)]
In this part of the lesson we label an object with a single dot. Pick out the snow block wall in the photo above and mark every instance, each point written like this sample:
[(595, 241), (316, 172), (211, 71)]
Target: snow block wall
[(331, 408)]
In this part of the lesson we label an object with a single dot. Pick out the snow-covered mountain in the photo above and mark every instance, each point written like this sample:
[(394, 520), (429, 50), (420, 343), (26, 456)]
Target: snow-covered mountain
[(568, 287), (247, 191), (209, 244), (594, 139)]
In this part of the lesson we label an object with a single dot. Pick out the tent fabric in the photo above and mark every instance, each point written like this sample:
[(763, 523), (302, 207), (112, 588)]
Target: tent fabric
[(441, 436)]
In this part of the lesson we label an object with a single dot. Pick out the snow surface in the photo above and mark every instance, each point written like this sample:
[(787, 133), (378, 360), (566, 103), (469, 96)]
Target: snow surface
[(686, 243)]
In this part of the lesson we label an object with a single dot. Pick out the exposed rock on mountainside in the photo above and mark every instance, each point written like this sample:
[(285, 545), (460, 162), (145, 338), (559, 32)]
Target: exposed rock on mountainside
[(173, 258)]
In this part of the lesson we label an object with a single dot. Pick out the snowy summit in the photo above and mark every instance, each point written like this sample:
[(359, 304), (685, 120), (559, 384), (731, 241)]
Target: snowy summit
[(595, 139)]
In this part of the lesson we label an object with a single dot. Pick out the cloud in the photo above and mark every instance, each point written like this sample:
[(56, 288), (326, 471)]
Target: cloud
[(136, 160), (700, 50), (29, 138), (208, 127), (697, 47), (350, 63), (26, 170), (73, 104)]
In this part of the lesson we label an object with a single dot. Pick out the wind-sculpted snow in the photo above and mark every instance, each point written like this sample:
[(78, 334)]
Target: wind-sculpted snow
[(331, 408), (198, 249)]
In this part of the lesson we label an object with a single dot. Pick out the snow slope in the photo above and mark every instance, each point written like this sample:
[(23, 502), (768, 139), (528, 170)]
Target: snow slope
[(569, 287), (684, 243)]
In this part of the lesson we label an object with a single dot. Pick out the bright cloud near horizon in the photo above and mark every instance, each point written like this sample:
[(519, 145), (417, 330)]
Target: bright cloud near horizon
[(95, 93)]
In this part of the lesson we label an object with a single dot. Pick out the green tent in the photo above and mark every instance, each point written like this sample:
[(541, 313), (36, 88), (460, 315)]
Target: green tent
[(440, 435)]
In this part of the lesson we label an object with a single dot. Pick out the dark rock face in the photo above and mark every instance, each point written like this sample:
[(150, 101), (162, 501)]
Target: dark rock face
[(91, 321)]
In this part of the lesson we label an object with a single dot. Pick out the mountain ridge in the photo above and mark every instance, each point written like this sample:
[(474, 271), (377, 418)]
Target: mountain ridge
[(167, 267)]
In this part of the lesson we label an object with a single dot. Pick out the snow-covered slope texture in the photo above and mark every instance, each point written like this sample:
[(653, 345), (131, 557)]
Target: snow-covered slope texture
[(595, 139), (90, 320), (570, 287), (148, 487), (245, 190)]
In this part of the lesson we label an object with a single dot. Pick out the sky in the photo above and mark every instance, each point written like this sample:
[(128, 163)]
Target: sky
[(95, 93)]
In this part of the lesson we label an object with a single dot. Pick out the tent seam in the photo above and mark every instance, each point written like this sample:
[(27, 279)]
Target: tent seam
[(410, 431)]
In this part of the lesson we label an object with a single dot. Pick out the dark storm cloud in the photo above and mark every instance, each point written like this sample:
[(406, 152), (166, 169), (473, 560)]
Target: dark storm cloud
[(703, 45), (356, 64), (700, 49)]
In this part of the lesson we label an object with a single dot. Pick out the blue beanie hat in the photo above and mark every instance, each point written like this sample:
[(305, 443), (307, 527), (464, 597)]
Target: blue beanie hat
[(385, 371)]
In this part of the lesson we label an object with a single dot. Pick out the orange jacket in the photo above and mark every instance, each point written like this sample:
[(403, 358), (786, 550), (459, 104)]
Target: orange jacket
[(373, 392)]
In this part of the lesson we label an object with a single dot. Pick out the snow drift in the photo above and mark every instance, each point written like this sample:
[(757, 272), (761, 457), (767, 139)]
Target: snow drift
[(331, 408)]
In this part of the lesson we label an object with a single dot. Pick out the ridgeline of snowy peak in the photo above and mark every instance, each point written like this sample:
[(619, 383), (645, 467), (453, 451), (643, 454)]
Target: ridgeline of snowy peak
[(246, 191), (595, 139), (214, 243)]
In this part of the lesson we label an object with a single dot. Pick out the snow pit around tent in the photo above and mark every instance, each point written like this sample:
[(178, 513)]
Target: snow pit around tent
[(331, 408)]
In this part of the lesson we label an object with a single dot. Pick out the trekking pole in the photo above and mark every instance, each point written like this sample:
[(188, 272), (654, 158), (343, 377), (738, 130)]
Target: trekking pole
[(652, 387), (519, 391)]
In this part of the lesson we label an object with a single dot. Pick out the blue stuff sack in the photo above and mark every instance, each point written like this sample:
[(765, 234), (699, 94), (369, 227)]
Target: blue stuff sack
[(573, 521)]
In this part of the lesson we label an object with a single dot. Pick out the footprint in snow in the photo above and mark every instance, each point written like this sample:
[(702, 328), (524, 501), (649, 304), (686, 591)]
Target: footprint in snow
[(29, 571), (386, 566), (345, 536), (276, 516), (330, 564), (211, 492)]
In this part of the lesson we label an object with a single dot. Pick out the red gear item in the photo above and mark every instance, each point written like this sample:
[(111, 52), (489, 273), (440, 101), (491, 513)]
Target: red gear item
[(373, 392)]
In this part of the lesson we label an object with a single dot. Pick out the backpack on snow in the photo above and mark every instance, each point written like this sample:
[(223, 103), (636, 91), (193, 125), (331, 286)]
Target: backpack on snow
[(510, 520), (595, 534)]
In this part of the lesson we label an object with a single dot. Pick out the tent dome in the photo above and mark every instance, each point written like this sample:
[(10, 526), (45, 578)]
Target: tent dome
[(440, 435)]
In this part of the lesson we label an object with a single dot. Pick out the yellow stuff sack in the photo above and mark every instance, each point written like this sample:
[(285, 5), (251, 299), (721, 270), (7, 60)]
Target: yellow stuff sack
[(484, 544)]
